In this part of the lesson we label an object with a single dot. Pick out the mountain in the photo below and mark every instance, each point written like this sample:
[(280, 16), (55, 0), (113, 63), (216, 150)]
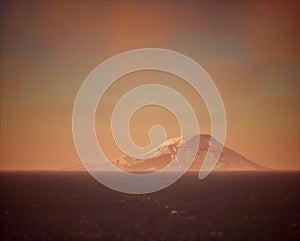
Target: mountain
[(229, 160)]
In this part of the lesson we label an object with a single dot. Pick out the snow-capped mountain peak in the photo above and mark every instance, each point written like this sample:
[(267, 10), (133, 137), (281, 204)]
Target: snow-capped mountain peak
[(228, 161)]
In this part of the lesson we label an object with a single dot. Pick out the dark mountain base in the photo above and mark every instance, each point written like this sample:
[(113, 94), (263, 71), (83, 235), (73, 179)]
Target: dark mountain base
[(224, 206)]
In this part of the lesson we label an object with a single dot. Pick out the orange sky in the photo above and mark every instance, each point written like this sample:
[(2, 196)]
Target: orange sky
[(250, 49)]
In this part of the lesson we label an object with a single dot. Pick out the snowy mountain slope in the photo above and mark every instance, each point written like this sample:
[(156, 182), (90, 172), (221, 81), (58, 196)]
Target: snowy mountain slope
[(229, 160)]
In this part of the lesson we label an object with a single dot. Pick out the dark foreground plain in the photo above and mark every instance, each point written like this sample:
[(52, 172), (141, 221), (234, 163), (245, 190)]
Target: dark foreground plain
[(224, 206)]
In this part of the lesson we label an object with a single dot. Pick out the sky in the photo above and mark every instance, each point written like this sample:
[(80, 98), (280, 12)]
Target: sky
[(249, 48)]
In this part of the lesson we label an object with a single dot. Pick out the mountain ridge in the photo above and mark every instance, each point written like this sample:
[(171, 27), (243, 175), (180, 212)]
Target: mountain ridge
[(229, 160)]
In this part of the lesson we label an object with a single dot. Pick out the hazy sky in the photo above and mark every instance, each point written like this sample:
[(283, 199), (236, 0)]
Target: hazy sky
[(249, 48)]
